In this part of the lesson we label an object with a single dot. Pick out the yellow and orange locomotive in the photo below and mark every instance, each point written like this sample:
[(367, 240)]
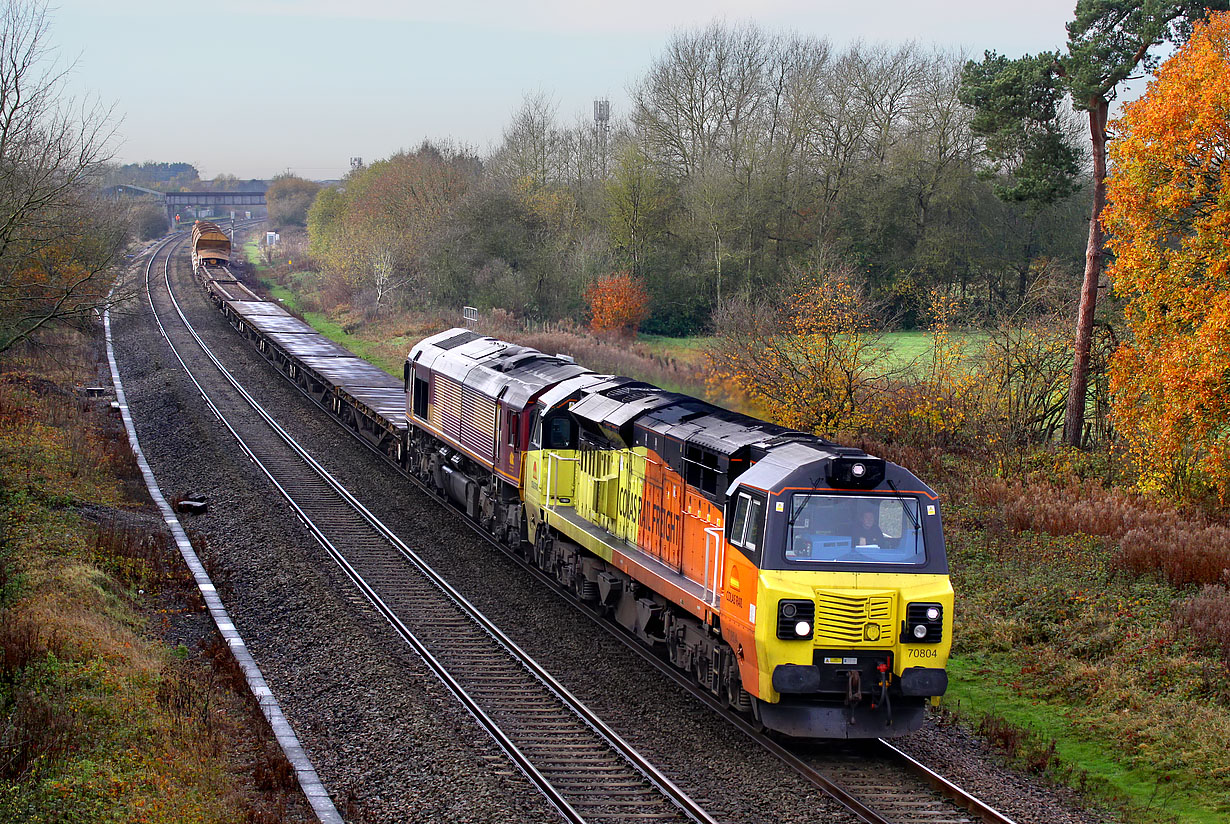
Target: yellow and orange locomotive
[(801, 581)]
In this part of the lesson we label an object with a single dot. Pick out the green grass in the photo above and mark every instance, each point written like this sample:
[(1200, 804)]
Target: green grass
[(281, 294), (904, 348), (688, 349), (909, 347), (981, 687), (252, 251)]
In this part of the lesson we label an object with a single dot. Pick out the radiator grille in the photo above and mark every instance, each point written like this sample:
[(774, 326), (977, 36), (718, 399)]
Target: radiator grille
[(446, 409), (854, 616), (477, 428)]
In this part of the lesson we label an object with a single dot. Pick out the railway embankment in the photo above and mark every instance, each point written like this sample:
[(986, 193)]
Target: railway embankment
[(118, 702)]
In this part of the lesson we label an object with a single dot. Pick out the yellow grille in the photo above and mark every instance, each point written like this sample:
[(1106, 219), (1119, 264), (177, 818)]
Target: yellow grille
[(854, 617)]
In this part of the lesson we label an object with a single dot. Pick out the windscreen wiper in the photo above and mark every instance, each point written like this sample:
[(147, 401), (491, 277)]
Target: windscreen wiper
[(905, 505), (797, 511)]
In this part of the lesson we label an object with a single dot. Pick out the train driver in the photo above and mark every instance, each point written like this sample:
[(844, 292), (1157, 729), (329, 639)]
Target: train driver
[(867, 531)]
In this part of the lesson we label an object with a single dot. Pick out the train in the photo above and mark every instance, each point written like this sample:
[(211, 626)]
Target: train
[(798, 581), (210, 245)]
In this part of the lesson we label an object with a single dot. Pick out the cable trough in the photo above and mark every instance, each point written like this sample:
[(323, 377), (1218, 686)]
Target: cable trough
[(581, 765)]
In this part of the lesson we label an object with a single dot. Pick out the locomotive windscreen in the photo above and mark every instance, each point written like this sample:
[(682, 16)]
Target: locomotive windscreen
[(848, 528)]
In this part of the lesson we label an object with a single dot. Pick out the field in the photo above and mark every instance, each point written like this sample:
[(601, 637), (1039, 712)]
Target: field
[(906, 348)]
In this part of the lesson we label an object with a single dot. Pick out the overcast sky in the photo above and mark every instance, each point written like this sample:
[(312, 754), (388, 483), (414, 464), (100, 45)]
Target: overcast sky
[(256, 87)]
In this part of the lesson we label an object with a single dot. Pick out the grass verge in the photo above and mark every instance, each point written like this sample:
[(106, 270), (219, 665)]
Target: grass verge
[(100, 720), (1078, 670)]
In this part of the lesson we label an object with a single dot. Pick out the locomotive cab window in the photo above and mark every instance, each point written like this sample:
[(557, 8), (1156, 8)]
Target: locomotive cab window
[(560, 433), (420, 398), (747, 522), (514, 423), (855, 529)]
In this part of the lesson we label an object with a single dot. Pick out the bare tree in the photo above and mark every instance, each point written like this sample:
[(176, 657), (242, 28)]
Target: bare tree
[(57, 243), (532, 142)]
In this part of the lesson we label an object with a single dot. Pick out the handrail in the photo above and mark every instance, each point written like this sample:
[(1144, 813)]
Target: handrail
[(552, 459), (711, 593)]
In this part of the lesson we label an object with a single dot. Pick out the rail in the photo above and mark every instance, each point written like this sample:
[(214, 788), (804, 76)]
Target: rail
[(584, 801)]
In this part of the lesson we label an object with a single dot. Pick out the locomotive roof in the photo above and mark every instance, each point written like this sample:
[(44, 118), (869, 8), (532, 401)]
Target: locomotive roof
[(617, 402), (494, 367), (613, 404)]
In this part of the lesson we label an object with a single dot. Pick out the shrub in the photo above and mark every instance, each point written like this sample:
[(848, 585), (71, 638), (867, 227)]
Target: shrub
[(1207, 617), (809, 356), (618, 304)]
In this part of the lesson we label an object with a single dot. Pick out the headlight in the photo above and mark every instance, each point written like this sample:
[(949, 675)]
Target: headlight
[(795, 617), (924, 623)]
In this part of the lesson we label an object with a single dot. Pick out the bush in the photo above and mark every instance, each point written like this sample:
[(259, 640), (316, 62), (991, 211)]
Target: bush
[(1207, 616), (1184, 548), (618, 304)]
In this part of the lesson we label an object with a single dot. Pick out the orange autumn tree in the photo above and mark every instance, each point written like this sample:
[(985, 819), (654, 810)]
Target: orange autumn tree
[(1170, 223), (618, 304)]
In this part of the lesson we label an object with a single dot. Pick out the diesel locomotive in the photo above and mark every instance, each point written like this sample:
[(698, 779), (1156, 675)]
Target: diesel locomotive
[(802, 582)]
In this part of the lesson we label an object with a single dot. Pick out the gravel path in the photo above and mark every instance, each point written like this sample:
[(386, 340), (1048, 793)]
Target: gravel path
[(386, 737)]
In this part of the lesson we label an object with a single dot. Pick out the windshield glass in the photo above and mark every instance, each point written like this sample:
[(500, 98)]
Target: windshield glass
[(857, 529)]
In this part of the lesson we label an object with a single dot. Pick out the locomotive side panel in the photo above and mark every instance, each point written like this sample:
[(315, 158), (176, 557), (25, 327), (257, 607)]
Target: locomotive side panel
[(476, 431), (702, 541)]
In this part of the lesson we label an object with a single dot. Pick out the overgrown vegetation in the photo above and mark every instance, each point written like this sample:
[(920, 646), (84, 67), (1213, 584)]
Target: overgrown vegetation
[(100, 721)]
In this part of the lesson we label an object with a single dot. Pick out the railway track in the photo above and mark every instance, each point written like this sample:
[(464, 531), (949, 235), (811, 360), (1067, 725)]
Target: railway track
[(876, 781), (586, 771)]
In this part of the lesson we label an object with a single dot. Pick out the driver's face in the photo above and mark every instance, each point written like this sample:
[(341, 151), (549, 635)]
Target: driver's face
[(869, 518)]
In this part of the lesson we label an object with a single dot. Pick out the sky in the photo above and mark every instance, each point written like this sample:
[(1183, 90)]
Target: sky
[(254, 88)]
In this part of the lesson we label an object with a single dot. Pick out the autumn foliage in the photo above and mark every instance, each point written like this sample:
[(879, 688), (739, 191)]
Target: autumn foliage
[(618, 303), (809, 362), (1169, 218)]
